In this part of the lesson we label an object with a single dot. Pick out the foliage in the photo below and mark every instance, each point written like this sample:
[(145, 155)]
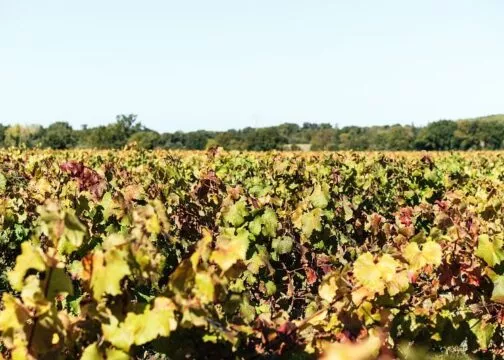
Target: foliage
[(466, 134), (59, 135), (118, 254)]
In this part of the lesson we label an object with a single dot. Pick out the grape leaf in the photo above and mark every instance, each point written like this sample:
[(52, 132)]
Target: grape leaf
[(108, 271), (230, 248), (270, 222), (368, 273), (204, 287), (328, 287), (236, 213), (141, 328), (319, 198), (73, 234), (490, 251), (483, 331), (282, 245), (13, 315), (498, 290), (30, 258)]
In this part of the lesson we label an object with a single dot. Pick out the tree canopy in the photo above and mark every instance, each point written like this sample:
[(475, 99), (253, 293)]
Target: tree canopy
[(466, 134)]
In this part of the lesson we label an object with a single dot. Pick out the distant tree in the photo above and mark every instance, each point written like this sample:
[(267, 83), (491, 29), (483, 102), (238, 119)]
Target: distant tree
[(231, 140), (264, 139), (18, 135), (196, 140), (353, 138), (2, 134), (211, 143), (115, 135), (59, 135), (324, 139), (438, 135), (145, 139), (288, 130), (399, 138)]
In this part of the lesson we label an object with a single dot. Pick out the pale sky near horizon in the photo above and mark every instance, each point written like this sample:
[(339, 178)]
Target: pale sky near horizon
[(196, 64)]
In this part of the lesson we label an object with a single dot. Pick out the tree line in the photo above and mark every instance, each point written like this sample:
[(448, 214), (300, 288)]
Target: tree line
[(467, 134)]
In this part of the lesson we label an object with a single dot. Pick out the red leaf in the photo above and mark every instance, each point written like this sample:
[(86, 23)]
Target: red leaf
[(311, 275)]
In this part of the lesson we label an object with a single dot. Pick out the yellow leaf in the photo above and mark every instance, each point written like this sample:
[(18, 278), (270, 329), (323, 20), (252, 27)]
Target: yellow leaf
[(204, 287), (368, 273), (91, 352), (30, 258), (203, 249), (116, 354), (328, 287), (230, 248), (432, 253), (141, 328), (33, 295), (108, 271), (367, 349), (411, 252), (399, 283), (387, 266), (14, 315)]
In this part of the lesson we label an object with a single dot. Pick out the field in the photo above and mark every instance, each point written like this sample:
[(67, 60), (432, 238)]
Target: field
[(212, 255)]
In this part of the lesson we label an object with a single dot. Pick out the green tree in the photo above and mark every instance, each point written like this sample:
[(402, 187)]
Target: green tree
[(264, 139), (115, 135), (145, 139), (324, 139), (18, 135), (59, 135), (438, 135)]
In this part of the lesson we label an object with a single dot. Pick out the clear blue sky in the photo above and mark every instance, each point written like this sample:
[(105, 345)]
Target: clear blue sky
[(185, 65)]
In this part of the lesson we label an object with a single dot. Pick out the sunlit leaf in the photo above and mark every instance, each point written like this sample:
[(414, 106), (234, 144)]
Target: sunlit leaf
[(30, 258), (230, 247), (108, 271), (236, 213), (490, 251)]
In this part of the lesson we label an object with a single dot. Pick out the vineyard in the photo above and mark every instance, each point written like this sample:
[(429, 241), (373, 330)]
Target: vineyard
[(138, 254)]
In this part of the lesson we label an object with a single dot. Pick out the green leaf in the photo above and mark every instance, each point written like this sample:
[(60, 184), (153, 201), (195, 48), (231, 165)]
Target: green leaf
[(91, 352), (311, 221), (108, 271), (255, 226), (14, 315), (230, 248), (498, 290), (270, 288), (235, 214), (319, 198), (282, 245), (73, 235), (141, 328), (270, 222), (3, 183), (204, 287), (258, 260), (348, 211), (328, 287), (30, 258), (110, 206), (60, 283), (490, 251), (483, 331), (247, 311)]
